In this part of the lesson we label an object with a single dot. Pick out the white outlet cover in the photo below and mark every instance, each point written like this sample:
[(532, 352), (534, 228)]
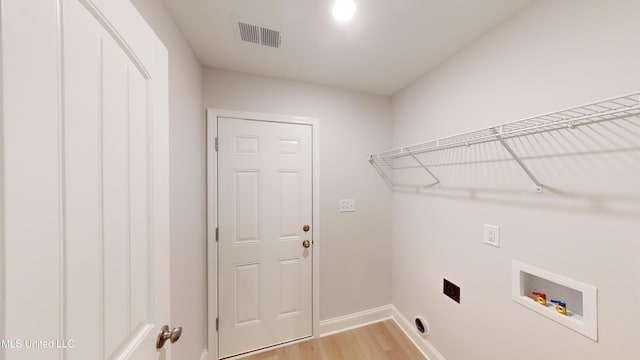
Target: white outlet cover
[(347, 205), (492, 235)]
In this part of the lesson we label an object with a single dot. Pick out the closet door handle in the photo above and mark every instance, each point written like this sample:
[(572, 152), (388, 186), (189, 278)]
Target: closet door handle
[(166, 334), (306, 244)]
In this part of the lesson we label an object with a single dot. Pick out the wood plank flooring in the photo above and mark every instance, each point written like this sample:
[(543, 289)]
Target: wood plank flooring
[(380, 341)]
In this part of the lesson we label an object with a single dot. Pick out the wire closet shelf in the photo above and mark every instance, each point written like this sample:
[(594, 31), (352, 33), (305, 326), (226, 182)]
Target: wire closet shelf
[(620, 107)]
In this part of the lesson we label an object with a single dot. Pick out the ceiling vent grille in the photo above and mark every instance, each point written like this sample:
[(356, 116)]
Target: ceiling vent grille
[(249, 32), (270, 37), (259, 34)]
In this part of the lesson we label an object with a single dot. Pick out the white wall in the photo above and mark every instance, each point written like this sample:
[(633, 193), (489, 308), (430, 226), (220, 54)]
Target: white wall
[(187, 183), (552, 55), (355, 262)]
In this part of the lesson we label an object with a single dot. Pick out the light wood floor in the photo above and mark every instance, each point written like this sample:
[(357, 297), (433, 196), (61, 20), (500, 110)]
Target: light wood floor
[(380, 341)]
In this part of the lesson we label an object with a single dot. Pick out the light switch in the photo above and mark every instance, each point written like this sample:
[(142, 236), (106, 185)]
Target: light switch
[(347, 205)]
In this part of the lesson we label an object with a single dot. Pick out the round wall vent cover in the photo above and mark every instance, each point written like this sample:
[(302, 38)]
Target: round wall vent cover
[(421, 325)]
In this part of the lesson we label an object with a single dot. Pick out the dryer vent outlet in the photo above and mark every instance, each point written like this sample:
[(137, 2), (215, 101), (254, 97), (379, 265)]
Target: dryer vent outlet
[(421, 325)]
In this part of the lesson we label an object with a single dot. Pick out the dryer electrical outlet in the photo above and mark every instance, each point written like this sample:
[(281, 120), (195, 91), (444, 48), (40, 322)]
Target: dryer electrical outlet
[(451, 290)]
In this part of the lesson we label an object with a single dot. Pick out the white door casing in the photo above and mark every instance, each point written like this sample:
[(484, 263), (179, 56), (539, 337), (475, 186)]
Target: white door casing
[(264, 183), (85, 175)]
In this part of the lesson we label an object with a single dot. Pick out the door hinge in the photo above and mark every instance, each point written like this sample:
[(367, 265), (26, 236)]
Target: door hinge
[(217, 324), (216, 143), (217, 234)]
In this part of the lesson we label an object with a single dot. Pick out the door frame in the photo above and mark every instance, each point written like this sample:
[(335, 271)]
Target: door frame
[(212, 214)]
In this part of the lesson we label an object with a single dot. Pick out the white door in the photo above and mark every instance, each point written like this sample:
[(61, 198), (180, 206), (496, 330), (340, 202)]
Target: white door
[(85, 172), (264, 211)]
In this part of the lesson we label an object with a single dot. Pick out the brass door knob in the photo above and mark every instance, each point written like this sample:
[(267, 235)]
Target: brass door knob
[(306, 244), (165, 334)]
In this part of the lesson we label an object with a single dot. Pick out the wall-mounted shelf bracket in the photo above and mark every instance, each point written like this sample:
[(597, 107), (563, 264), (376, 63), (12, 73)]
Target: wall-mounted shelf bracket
[(425, 168), (381, 173), (498, 132)]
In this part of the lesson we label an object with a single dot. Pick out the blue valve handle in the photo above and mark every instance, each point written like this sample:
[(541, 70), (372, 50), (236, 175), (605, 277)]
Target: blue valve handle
[(558, 302)]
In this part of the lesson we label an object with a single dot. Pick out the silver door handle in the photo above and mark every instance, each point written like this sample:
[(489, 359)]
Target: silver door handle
[(165, 334)]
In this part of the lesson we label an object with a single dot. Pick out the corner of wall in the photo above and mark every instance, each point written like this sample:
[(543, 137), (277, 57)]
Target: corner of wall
[(187, 179), (426, 348), (367, 317), (356, 320)]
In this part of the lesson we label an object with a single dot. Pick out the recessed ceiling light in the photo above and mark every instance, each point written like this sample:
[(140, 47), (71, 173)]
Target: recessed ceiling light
[(343, 10)]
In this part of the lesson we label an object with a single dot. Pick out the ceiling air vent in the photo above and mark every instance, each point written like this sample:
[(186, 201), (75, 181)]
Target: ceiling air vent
[(259, 34), (249, 32), (270, 37)]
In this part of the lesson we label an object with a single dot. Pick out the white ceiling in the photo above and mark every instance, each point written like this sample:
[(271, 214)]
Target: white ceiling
[(387, 44)]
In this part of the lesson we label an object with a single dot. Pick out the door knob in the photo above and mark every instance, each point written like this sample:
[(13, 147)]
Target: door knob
[(306, 244), (165, 334)]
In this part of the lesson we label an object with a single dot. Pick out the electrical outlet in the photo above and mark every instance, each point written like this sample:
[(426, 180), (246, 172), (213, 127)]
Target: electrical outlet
[(492, 235), (347, 205)]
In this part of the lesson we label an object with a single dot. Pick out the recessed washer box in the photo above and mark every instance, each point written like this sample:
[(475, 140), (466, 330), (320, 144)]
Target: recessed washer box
[(581, 299)]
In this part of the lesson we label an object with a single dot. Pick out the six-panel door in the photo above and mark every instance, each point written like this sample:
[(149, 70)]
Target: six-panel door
[(264, 203)]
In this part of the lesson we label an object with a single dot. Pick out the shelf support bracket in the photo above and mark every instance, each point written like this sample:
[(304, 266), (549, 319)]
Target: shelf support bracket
[(381, 173), (539, 187), (424, 167)]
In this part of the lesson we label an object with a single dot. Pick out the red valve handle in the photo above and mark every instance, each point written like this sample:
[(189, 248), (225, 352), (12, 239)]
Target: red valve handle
[(542, 295)]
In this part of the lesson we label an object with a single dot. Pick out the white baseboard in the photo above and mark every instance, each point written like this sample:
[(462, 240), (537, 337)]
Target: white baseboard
[(425, 347), (364, 318), (204, 355), (352, 321)]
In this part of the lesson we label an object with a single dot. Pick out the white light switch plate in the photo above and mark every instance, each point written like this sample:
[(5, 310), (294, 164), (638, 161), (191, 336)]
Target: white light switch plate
[(492, 235), (347, 205)]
